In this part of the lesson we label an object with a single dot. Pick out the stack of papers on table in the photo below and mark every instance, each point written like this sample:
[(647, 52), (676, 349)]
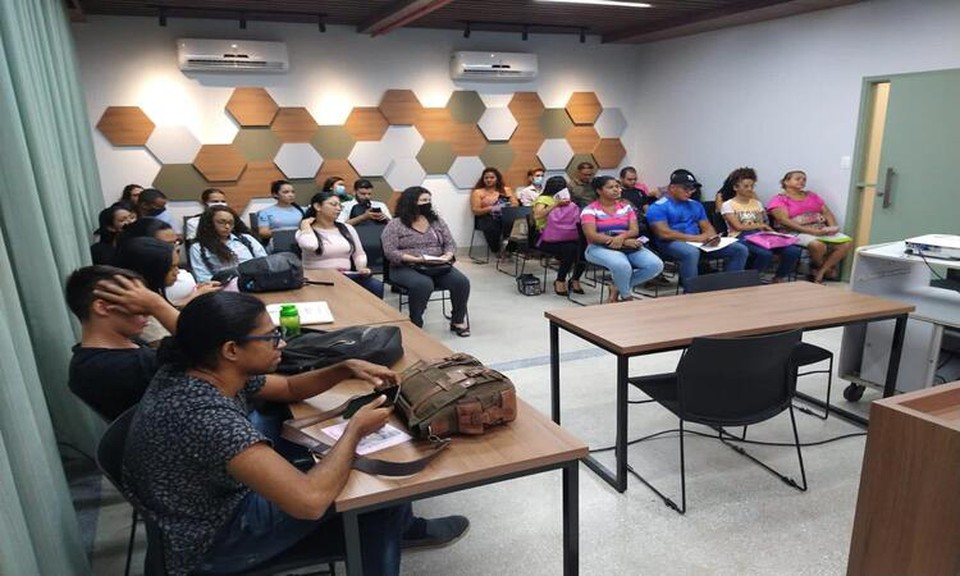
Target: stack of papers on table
[(310, 313)]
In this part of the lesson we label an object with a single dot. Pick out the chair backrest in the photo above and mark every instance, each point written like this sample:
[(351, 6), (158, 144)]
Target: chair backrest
[(723, 281), (110, 448), (737, 381), (715, 218), (284, 240), (369, 233)]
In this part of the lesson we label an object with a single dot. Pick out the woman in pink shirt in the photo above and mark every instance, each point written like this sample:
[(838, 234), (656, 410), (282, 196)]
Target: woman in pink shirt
[(805, 214)]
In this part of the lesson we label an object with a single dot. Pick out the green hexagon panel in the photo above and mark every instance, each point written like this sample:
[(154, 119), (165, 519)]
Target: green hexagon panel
[(577, 159), (180, 181), (466, 107), (333, 142), (381, 189), (257, 143), (555, 123), (498, 155), (436, 157)]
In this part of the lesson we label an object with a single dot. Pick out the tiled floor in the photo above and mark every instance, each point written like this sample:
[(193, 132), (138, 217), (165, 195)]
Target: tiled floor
[(740, 519)]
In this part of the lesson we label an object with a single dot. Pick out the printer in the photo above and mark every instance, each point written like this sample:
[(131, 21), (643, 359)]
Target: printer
[(942, 246)]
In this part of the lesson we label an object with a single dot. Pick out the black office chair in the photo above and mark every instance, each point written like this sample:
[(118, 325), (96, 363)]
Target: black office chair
[(508, 217), (473, 237), (370, 233), (110, 462), (728, 382), (403, 293), (530, 251), (806, 353)]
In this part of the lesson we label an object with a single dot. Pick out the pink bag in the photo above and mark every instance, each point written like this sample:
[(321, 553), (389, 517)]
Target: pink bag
[(771, 241), (562, 224)]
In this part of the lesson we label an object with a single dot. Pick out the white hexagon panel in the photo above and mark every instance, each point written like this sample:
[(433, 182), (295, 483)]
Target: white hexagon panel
[(555, 153), (465, 171), (497, 123), (299, 160), (369, 159), (173, 144), (401, 142), (404, 173), (611, 123)]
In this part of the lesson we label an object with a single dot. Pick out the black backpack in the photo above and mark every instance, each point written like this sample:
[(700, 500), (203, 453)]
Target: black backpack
[(316, 349), (272, 273)]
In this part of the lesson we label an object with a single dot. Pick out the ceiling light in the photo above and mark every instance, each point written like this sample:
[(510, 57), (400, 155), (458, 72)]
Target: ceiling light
[(619, 3)]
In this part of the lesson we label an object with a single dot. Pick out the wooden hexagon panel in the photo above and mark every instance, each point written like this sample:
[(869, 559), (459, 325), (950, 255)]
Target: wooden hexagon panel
[(400, 107), (298, 160), (252, 107), (294, 125), (253, 183), (220, 162), (583, 139), (584, 107), (609, 153), (125, 126), (366, 124), (173, 144), (497, 124), (340, 168)]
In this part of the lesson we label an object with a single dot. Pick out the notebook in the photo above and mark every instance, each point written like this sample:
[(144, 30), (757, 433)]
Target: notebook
[(724, 242), (310, 313)]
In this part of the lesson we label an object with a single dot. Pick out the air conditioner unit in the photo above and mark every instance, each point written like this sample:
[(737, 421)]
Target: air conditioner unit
[(493, 66), (197, 55)]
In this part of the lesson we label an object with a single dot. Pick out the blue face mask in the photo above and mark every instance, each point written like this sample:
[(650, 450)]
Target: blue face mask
[(538, 180)]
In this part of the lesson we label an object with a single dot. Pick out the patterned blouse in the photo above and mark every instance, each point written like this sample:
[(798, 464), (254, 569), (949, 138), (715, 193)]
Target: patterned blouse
[(399, 239)]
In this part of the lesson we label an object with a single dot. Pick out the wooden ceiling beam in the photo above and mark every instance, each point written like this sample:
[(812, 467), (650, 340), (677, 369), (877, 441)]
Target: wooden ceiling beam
[(399, 14)]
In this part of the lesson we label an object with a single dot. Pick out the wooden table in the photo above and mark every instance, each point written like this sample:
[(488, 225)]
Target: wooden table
[(629, 329), (349, 302)]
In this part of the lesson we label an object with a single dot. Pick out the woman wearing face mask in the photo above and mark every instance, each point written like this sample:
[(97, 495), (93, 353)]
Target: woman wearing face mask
[(336, 185), (528, 194), (223, 242), (489, 197), (111, 219), (209, 197), (284, 215), (420, 249), (327, 243)]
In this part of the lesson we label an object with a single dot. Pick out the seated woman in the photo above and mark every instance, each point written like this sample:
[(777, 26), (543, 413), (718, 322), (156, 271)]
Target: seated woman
[(488, 198), (338, 186), (554, 213), (209, 197), (804, 214), (111, 219), (284, 215), (746, 216), (611, 230), (222, 243), (420, 250), (224, 499), (327, 243)]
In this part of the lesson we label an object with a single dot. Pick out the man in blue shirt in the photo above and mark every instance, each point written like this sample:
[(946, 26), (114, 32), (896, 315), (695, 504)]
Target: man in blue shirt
[(675, 220)]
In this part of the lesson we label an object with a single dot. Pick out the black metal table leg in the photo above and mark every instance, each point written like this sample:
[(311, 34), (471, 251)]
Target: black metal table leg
[(555, 372), (618, 478), (896, 347), (571, 519), (351, 534)]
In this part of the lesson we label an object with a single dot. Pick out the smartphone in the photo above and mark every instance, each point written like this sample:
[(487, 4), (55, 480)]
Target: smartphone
[(376, 209), (713, 241)]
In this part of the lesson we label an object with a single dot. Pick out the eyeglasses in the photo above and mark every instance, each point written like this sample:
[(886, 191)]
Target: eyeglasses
[(274, 337)]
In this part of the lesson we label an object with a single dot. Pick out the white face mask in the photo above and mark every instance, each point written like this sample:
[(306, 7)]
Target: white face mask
[(213, 203)]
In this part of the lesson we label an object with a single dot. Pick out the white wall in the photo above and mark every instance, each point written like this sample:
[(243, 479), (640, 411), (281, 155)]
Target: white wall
[(132, 61), (781, 94)]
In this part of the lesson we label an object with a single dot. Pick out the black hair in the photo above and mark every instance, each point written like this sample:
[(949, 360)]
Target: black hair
[(205, 195), (362, 183), (499, 185), (149, 257), (627, 169), (210, 241), (599, 182), (320, 198), (208, 322), (554, 184), (329, 182), (726, 191), (128, 192), (105, 221), (142, 228), (583, 165), (407, 210), (149, 195), (83, 281), (276, 185)]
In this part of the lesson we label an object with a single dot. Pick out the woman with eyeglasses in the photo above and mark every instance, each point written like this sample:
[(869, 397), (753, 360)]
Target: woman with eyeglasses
[(224, 499), (223, 242)]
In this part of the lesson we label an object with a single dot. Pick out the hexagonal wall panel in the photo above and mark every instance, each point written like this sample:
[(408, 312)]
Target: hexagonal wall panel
[(583, 107), (294, 125), (253, 183), (333, 142), (180, 181), (252, 107), (404, 173), (465, 170), (437, 125), (368, 159), (337, 167), (384, 193), (401, 142), (400, 107), (497, 123), (220, 162), (173, 144), (436, 157), (498, 155), (583, 139), (125, 126), (526, 106), (555, 123), (257, 143), (555, 154), (465, 106), (611, 123), (609, 153), (298, 160), (366, 124)]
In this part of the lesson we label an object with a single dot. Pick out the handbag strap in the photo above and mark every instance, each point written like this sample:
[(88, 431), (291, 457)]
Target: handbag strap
[(293, 432)]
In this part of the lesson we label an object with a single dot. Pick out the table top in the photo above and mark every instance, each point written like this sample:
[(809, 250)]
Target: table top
[(350, 303), (530, 442), (650, 325)]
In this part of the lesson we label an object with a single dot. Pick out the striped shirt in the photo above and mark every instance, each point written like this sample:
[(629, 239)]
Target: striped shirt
[(607, 223)]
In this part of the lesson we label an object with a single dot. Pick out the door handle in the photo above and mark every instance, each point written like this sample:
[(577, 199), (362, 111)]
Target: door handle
[(887, 193)]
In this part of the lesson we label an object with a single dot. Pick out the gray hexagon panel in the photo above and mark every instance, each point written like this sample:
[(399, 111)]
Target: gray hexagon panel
[(497, 124), (369, 159), (465, 171), (173, 144), (298, 160), (404, 173), (401, 142), (555, 153), (611, 123)]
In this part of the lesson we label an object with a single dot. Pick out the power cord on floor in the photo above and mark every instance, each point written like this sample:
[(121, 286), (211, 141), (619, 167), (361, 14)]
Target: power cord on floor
[(730, 438)]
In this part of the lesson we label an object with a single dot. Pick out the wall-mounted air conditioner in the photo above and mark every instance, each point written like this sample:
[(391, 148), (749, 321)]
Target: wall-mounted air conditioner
[(197, 55), (493, 66)]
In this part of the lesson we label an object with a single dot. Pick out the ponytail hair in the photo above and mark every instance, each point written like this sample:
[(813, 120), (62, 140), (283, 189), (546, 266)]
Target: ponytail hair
[(207, 323)]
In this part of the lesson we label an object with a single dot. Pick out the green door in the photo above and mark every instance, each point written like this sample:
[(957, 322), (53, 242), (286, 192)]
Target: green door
[(918, 188)]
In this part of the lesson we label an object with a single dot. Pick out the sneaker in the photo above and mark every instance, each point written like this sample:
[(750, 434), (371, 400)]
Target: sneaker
[(435, 532)]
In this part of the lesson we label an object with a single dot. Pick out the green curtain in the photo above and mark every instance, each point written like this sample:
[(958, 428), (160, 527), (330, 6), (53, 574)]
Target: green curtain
[(49, 195)]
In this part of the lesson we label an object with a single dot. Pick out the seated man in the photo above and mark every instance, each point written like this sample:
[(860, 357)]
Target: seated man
[(363, 208), (676, 219)]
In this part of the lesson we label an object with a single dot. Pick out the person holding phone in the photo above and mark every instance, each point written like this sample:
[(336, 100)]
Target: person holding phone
[(363, 209), (677, 219), (489, 197)]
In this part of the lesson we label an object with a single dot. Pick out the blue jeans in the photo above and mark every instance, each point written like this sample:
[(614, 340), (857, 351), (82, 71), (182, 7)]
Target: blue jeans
[(373, 285), (789, 256), (627, 269), (687, 257)]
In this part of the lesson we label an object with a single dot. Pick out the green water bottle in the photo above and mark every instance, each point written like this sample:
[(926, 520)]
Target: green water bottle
[(289, 321)]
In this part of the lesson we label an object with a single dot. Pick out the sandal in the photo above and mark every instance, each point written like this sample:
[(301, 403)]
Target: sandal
[(575, 287), (560, 287), (461, 331)]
